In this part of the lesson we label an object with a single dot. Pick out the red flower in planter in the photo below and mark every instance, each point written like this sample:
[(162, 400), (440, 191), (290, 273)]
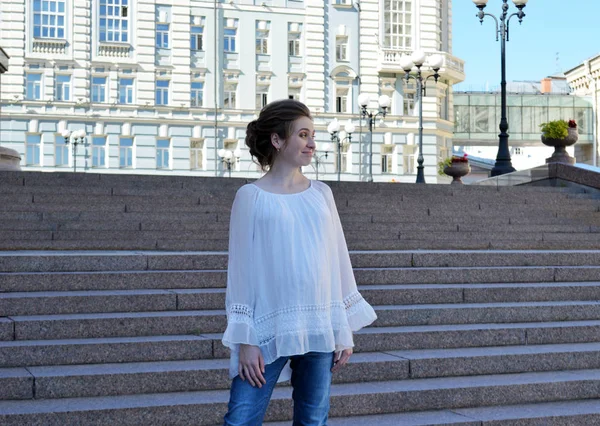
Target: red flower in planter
[(572, 124), (463, 159)]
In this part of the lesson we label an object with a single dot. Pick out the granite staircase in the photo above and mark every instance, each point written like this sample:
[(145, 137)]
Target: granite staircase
[(112, 296)]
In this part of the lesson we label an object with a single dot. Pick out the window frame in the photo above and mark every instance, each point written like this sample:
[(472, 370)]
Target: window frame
[(198, 37), (36, 149), (51, 25), (38, 87), (59, 144), (129, 88), (99, 149), (60, 88), (129, 153), (163, 155), (196, 94), (113, 27), (195, 152), (104, 87), (162, 93), (230, 40)]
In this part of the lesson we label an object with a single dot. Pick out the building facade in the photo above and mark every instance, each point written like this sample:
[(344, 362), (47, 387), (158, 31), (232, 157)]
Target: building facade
[(529, 104), (585, 81), (163, 86)]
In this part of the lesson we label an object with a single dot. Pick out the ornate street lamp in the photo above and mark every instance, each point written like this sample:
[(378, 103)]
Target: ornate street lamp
[(229, 157), (384, 103), (503, 163), (77, 137), (333, 128), (417, 59)]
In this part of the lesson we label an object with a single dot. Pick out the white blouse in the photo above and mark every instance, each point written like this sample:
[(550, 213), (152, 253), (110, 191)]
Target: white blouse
[(290, 284)]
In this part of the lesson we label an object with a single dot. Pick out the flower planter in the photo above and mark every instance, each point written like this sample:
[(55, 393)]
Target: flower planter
[(560, 154), (457, 170)]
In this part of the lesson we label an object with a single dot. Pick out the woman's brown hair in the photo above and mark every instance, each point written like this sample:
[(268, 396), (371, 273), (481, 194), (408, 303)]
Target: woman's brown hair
[(277, 117)]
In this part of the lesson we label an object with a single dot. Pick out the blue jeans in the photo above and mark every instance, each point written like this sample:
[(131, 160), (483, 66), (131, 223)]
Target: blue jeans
[(311, 380)]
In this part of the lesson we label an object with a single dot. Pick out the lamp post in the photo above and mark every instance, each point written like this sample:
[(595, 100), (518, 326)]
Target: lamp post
[(77, 137), (384, 103), (333, 128), (327, 148), (229, 157), (417, 59), (503, 163)]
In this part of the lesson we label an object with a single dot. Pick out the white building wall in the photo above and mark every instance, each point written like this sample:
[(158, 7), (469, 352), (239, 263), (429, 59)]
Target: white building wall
[(82, 55)]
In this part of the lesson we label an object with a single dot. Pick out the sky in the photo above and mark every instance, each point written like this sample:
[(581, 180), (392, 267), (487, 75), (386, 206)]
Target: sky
[(556, 35)]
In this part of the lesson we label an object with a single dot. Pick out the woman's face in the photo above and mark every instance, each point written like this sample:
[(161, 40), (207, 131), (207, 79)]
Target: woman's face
[(300, 146)]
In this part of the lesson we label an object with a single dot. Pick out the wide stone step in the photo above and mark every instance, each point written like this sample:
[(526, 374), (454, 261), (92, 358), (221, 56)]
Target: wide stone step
[(107, 350), (202, 279), (122, 324), (208, 407), (118, 324), (95, 301), (70, 261), (577, 412), (477, 313), (175, 376), (167, 376)]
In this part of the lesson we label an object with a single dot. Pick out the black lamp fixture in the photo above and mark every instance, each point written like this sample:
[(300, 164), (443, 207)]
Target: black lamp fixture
[(418, 59), (503, 163)]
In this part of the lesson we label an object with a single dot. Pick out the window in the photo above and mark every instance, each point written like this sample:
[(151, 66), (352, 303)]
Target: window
[(294, 94), (442, 19), (98, 89), (34, 87), (32, 150), (99, 151), (162, 36), (518, 151), (126, 90), (126, 153), (261, 96), (114, 21), (162, 92), (294, 44), (63, 87), (262, 39), (162, 153), (409, 103), (49, 18), (341, 100), (341, 48), (229, 40), (397, 21), (196, 42), (61, 151), (342, 1), (197, 93), (196, 154), (408, 159), (387, 152), (229, 100)]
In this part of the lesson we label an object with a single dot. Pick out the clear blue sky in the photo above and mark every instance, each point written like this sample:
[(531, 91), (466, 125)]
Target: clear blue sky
[(569, 28)]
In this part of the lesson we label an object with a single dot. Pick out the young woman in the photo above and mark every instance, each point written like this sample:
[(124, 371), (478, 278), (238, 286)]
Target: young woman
[(291, 294)]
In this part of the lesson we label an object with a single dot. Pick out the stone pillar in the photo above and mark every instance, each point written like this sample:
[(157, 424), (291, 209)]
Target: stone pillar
[(9, 158)]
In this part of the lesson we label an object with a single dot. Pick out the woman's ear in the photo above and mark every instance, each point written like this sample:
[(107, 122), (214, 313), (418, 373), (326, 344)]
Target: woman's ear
[(275, 141)]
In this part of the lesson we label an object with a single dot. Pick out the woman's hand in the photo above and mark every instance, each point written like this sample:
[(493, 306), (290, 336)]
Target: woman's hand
[(252, 365), (340, 359)]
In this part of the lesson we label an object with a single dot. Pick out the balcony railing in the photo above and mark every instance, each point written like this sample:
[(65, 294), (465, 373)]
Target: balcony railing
[(389, 59)]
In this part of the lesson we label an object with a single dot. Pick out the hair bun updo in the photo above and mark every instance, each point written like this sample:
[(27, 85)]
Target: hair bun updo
[(277, 117)]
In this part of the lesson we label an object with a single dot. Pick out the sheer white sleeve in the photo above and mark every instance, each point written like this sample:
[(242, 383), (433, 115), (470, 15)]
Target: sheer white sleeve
[(359, 312), (240, 294)]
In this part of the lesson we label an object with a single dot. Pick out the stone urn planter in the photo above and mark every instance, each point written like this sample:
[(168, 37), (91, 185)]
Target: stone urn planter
[(456, 170), (9, 159), (560, 154)]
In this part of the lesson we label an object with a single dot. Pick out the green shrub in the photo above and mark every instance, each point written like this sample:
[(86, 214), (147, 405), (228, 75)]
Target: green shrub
[(557, 129)]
